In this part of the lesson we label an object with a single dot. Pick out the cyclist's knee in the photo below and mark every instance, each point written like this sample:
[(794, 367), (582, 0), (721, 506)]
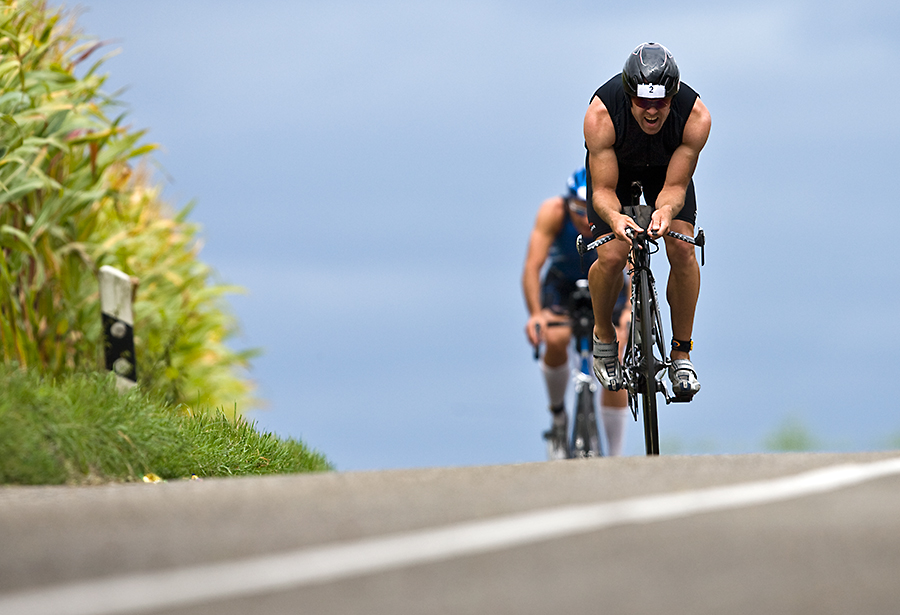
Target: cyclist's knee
[(555, 352), (680, 253), (557, 338), (610, 262)]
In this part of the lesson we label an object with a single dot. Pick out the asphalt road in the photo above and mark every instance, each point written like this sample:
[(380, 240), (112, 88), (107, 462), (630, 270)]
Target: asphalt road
[(708, 534)]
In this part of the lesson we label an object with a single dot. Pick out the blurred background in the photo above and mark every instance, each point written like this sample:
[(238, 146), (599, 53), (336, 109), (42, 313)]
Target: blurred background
[(370, 173)]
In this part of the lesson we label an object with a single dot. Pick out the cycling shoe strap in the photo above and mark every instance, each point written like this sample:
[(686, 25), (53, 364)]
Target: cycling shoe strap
[(683, 364), (606, 350)]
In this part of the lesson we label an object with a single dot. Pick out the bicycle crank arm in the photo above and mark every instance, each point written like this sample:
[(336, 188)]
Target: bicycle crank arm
[(662, 388)]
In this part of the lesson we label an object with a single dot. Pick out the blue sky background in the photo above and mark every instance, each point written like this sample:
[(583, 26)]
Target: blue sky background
[(370, 172)]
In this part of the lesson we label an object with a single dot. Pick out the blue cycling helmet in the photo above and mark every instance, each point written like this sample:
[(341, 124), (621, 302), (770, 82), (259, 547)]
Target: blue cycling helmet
[(577, 184)]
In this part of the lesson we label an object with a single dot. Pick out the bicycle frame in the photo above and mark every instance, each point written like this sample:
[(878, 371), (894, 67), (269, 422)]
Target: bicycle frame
[(585, 440), (645, 362), (645, 358)]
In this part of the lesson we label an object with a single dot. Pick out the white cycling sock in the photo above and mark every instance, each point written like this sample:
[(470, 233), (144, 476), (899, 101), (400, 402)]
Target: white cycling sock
[(614, 421), (557, 379)]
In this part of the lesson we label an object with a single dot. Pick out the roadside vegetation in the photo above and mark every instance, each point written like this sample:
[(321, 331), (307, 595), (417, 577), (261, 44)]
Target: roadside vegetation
[(792, 436), (77, 193), (80, 429)]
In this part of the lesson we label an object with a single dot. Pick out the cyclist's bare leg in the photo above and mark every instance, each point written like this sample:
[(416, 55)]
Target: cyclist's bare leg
[(618, 399), (555, 362), (555, 369), (683, 287), (605, 281), (556, 341)]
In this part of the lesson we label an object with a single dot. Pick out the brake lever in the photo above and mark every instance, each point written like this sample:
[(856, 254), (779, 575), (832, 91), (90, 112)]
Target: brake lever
[(700, 240)]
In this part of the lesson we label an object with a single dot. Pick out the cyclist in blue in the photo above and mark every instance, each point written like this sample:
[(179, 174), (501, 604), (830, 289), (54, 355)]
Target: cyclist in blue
[(552, 266), (645, 125)]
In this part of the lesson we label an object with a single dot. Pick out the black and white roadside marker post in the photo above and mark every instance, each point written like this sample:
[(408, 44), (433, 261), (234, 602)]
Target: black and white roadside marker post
[(116, 290)]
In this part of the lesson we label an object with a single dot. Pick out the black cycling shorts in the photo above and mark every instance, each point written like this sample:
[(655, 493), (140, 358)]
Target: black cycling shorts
[(556, 291), (652, 179)]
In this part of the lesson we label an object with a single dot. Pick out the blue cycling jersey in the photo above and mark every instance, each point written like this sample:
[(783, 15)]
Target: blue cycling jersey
[(563, 259)]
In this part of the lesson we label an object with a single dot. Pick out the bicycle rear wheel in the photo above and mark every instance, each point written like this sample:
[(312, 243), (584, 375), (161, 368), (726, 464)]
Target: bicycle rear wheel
[(648, 366)]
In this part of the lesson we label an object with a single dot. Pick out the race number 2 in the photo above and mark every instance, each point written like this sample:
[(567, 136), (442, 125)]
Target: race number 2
[(651, 90)]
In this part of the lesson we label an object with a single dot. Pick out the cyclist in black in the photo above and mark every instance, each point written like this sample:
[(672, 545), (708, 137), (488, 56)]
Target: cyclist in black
[(645, 125), (552, 267)]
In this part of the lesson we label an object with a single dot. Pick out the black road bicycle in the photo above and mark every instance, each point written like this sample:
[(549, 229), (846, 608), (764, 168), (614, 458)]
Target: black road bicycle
[(585, 440), (645, 360)]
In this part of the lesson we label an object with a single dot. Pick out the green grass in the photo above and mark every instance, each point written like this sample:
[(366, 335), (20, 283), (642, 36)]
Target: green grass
[(792, 436), (79, 429)]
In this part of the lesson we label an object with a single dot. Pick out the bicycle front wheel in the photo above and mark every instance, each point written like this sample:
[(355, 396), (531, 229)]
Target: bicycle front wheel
[(648, 366), (585, 436)]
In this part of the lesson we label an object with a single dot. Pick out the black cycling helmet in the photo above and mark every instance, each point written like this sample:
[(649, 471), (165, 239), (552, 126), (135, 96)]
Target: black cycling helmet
[(648, 67)]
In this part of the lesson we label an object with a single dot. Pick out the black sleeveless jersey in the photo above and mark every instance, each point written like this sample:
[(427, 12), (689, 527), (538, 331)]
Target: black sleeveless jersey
[(634, 148)]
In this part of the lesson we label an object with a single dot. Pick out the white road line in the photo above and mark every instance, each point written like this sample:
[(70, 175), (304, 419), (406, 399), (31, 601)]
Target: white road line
[(197, 584)]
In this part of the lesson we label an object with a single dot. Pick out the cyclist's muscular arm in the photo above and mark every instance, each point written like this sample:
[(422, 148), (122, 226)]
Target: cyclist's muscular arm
[(681, 168), (550, 218), (599, 138)]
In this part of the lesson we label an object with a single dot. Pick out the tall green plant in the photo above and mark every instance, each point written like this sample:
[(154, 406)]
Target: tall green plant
[(74, 196)]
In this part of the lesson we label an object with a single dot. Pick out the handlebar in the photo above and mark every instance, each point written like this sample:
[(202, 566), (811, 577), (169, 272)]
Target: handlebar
[(699, 241)]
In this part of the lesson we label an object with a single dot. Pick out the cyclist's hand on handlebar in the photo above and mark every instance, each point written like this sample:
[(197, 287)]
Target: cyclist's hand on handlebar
[(622, 223), (660, 223), (535, 328)]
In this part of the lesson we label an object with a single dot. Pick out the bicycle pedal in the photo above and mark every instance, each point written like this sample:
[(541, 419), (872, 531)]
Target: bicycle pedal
[(681, 399)]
